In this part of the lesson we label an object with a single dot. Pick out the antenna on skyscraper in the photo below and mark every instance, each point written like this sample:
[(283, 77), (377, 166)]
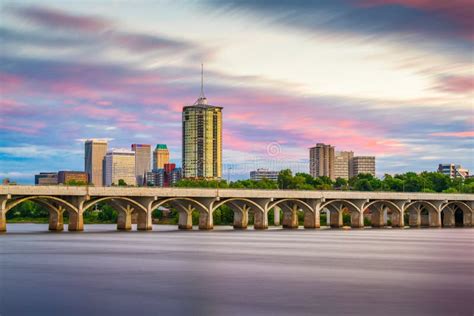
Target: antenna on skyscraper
[(202, 81)]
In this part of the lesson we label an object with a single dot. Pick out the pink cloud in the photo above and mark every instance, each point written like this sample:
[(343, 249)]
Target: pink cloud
[(454, 134), (456, 84), (57, 18), (9, 83)]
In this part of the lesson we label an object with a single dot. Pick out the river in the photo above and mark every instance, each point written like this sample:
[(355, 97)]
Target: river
[(226, 272)]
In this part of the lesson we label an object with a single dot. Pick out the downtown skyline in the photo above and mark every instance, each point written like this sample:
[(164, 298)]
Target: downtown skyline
[(124, 74)]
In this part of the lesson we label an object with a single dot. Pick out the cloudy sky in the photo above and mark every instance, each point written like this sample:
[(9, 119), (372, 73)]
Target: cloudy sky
[(390, 78)]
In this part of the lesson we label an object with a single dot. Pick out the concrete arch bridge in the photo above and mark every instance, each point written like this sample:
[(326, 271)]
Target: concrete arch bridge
[(377, 208)]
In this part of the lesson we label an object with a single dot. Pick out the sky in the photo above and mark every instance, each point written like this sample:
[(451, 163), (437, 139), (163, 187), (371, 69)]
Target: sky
[(389, 78)]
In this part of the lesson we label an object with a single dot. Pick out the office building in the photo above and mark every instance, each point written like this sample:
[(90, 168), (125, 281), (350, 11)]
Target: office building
[(362, 164), (262, 173), (46, 178), (321, 161), (77, 177), (342, 161), (453, 171), (155, 178), (142, 161), (120, 165), (95, 150), (168, 176), (202, 140), (161, 155)]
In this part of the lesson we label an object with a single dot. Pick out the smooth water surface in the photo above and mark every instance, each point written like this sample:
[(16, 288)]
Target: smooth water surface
[(226, 272)]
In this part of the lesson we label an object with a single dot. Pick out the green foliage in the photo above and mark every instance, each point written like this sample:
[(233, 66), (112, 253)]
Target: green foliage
[(122, 183), (75, 183)]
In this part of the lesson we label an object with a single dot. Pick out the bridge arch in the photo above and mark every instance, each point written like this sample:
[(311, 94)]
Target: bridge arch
[(337, 208), (456, 214), (423, 213), (384, 211), (242, 210), (185, 207), (89, 204), (11, 204)]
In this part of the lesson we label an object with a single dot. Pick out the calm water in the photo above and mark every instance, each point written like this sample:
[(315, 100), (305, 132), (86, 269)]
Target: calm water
[(226, 272)]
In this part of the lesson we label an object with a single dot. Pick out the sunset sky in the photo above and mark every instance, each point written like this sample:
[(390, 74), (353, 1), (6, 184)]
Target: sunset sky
[(390, 78)]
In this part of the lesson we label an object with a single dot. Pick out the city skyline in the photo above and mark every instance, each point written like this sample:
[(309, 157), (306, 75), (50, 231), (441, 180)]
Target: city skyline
[(364, 87)]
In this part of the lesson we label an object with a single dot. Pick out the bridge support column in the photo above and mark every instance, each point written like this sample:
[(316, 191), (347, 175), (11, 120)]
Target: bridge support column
[(312, 217), (276, 216), (414, 218), (448, 217), (260, 220), (205, 221), (76, 221), (336, 219), (124, 220), (290, 218), (397, 219), (377, 217), (467, 218), (434, 219), (3, 222), (185, 221), (144, 221), (56, 220), (357, 220), (241, 219)]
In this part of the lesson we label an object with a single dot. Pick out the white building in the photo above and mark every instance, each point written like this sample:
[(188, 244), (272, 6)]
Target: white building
[(120, 165), (261, 174), (453, 170)]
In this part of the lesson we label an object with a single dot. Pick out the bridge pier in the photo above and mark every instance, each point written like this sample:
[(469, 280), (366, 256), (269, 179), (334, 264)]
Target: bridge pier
[(290, 218), (241, 218), (124, 221), (76, 221), (3, 222), (448, 217), (357, 220), (206, 221), (260, 220), (377, 217), (276, 216), (56, 220), (434, 219), (144, 221), (336, 219), (414, 218), (397, 219), (185, 221)]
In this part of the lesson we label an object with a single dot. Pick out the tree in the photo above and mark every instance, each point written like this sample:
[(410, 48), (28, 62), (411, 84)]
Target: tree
[(122, 183), (340, 183), (285, 179)]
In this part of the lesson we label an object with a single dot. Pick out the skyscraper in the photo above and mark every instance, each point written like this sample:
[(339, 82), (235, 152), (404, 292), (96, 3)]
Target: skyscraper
[(142, 161), (202, 139), (95, 150), (321, 161), (362, 164), (161, 156), (342, 161), (120, 165)]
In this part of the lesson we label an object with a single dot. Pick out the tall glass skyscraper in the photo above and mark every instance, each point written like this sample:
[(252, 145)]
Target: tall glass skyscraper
[(202, 139)]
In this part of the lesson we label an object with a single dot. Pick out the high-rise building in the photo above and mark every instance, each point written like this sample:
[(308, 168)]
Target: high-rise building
[(155, 178), (168, 176), (362, 164), (142, 161), (79, 177), (120, 165), (453, 171), (342, 164), (321, 161), (95, 150), (161, 156), (46, 178), (262, 173), (202, 139)]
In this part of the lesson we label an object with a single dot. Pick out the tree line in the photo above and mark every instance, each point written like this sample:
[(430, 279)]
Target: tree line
[(406, 182)]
